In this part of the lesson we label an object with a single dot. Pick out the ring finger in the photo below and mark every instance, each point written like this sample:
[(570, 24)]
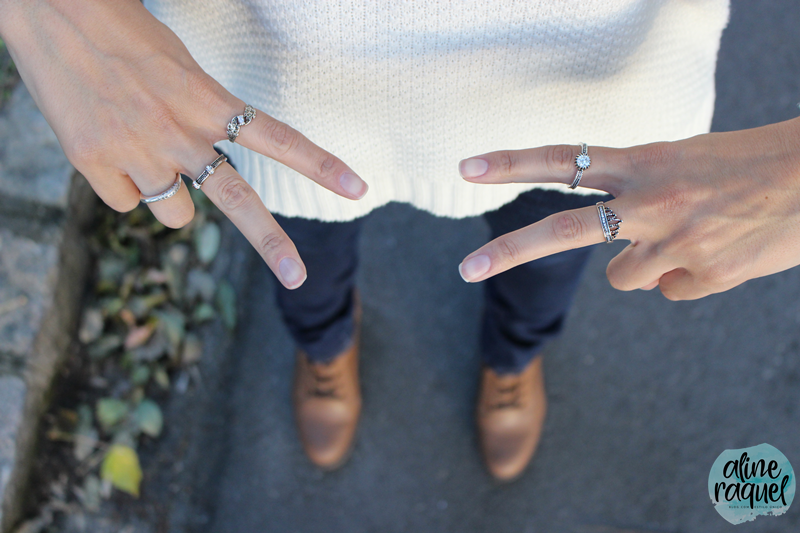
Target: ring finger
[(175, 211)]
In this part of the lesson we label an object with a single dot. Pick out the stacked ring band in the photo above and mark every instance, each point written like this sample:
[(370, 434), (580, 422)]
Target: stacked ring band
[(238, 121), (208, 171), (609, 221), (169, 193), (582, 161)]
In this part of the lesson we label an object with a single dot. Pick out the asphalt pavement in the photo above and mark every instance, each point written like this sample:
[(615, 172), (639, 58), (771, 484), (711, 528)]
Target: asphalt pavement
[(644, 393)]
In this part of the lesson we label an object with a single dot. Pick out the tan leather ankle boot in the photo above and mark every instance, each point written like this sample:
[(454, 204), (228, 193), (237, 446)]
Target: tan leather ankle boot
[(327, 403), (510, 415)]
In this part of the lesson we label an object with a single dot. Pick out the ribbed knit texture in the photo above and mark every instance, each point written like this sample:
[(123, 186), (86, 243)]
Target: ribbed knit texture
[(403, 90)]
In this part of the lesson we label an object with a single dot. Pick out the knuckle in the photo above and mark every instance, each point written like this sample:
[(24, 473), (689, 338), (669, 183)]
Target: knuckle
[(180, 218), (507, 162), (84, 152), (270, 243), (690, 242), (670, 292), (124, 206), (672, 200), (280, 137), (165, 121), (558, 159), (326, 167), (509, 250), (675, 246), (234, 192), (653, 156), (568, 228), (617, 279), (720, 273), (203, 90)]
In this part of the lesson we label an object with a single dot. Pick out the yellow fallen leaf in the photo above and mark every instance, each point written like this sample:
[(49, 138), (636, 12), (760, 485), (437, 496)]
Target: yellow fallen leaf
[(121, 467)]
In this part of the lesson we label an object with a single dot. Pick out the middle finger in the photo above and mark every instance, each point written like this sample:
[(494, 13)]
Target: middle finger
[(286, 145), (557, 233), (240, 203)]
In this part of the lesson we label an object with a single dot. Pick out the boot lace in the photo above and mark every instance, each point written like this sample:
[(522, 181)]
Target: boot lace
[(324, 382), (506, 396)]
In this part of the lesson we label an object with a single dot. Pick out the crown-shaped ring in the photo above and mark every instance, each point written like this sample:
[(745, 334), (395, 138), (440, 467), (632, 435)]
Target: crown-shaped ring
[(609, 221)]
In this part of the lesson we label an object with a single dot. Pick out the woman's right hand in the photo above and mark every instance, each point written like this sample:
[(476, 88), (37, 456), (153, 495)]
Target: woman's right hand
[(131, 109)]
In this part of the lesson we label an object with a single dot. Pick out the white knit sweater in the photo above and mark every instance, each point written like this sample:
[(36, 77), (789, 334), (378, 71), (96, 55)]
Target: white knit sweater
[(402, 90)]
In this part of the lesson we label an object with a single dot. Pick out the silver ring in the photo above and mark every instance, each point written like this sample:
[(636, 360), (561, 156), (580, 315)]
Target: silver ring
[(582, 161), (169, 193), (240, 120), (609, 221), (208, 171)]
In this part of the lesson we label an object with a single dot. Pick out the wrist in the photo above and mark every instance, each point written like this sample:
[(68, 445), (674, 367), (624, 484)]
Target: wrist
[(10, 11), (19, 18)]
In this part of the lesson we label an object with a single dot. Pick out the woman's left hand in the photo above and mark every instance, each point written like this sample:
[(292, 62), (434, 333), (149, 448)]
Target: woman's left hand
[(702, 215)]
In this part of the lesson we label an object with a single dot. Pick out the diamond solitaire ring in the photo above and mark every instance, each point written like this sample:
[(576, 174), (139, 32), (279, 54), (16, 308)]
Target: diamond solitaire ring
[(169, 193), (238, 121), (208, 171), (609, 221), (582, 161)]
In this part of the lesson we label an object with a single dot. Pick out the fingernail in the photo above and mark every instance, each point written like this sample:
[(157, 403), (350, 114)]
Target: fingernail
[(292, 273), (472, 168), (474, 267), (354, 185)]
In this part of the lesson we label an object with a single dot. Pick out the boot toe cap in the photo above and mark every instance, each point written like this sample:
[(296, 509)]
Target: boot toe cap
[(327, 435)]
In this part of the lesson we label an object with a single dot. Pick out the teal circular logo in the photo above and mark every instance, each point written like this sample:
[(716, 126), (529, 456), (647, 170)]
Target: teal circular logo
[(751, 482)]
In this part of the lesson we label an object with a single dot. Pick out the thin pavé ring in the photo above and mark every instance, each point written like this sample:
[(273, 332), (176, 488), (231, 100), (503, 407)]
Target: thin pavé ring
[(169, 193)]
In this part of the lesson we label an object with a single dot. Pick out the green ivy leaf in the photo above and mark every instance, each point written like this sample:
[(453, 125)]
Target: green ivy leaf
[(104, 346), (200, 285), (206, 241), (226, 303), (173, 325), (112, 306), (161, 377), (140, 375), (192, 350), (110, 412), (140, 306), (149, 418), (90, 493), (203, 313), (85, 442), (111, 268)]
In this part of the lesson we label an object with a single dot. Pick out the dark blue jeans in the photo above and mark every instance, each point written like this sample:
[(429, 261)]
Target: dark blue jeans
[(525, 306)]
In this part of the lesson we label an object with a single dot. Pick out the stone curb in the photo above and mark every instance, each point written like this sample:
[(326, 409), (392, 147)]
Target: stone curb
[(45, 206)]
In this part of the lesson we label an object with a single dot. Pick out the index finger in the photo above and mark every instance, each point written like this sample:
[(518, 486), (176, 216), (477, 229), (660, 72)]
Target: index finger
[(557, 233), (286, 145), (607, 171)]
